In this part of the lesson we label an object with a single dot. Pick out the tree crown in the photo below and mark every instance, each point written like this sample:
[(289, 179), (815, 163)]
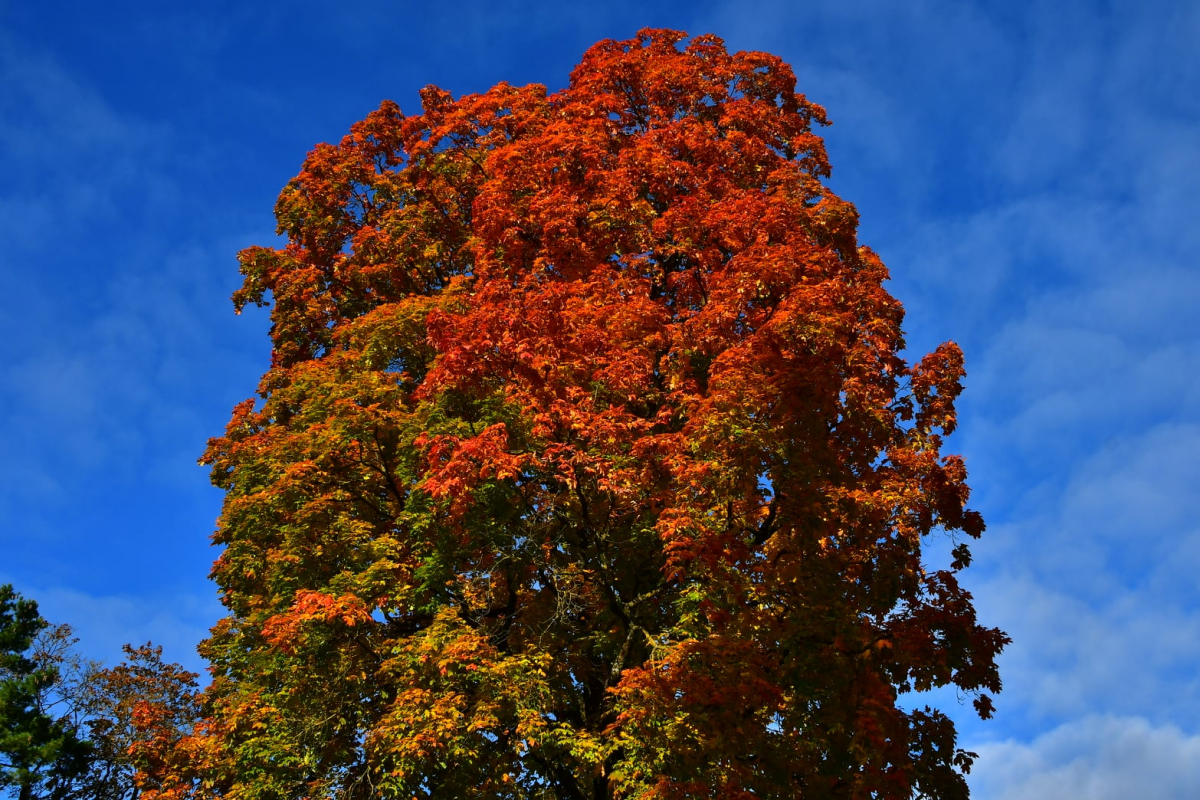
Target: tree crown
[(587, 464)]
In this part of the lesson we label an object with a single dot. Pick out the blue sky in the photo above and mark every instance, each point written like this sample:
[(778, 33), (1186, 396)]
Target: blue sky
[(1029, 171)]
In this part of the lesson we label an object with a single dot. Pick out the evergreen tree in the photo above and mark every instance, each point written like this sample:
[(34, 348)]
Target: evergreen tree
[(40, 755)]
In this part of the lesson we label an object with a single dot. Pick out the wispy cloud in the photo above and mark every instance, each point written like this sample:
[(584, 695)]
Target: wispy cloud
[(1098, 590), (122, 360), (1093, 758)]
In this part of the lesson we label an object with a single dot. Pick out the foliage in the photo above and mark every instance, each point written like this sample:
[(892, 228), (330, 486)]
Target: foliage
[(587, 464), (133, 712), (40, 753), (71, 729)]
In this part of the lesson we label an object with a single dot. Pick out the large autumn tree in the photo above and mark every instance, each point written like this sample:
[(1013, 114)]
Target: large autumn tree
[(587, 464)]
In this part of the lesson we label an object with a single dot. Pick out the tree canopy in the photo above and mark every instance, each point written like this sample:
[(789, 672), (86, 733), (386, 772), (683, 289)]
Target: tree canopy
[(587, 464)]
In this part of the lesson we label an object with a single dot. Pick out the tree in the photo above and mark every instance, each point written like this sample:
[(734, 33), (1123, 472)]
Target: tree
[(41, 754), (587, 464), (71, 729), (133, 712)]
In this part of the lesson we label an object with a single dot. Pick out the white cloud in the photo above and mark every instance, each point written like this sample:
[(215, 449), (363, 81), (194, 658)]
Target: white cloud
[(1094, 758), (1132, 653), (1094, 579)]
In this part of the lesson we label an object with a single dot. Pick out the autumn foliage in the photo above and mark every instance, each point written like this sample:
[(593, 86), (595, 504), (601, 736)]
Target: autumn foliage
[(587, 465)]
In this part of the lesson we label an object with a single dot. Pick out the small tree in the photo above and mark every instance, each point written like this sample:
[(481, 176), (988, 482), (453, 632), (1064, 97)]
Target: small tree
[(587, 465), (41, 753), (133, 712), (71, 729)]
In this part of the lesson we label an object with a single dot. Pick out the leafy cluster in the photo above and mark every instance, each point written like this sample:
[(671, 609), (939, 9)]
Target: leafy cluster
[(71, 729), (586, 465), (36, 749)]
